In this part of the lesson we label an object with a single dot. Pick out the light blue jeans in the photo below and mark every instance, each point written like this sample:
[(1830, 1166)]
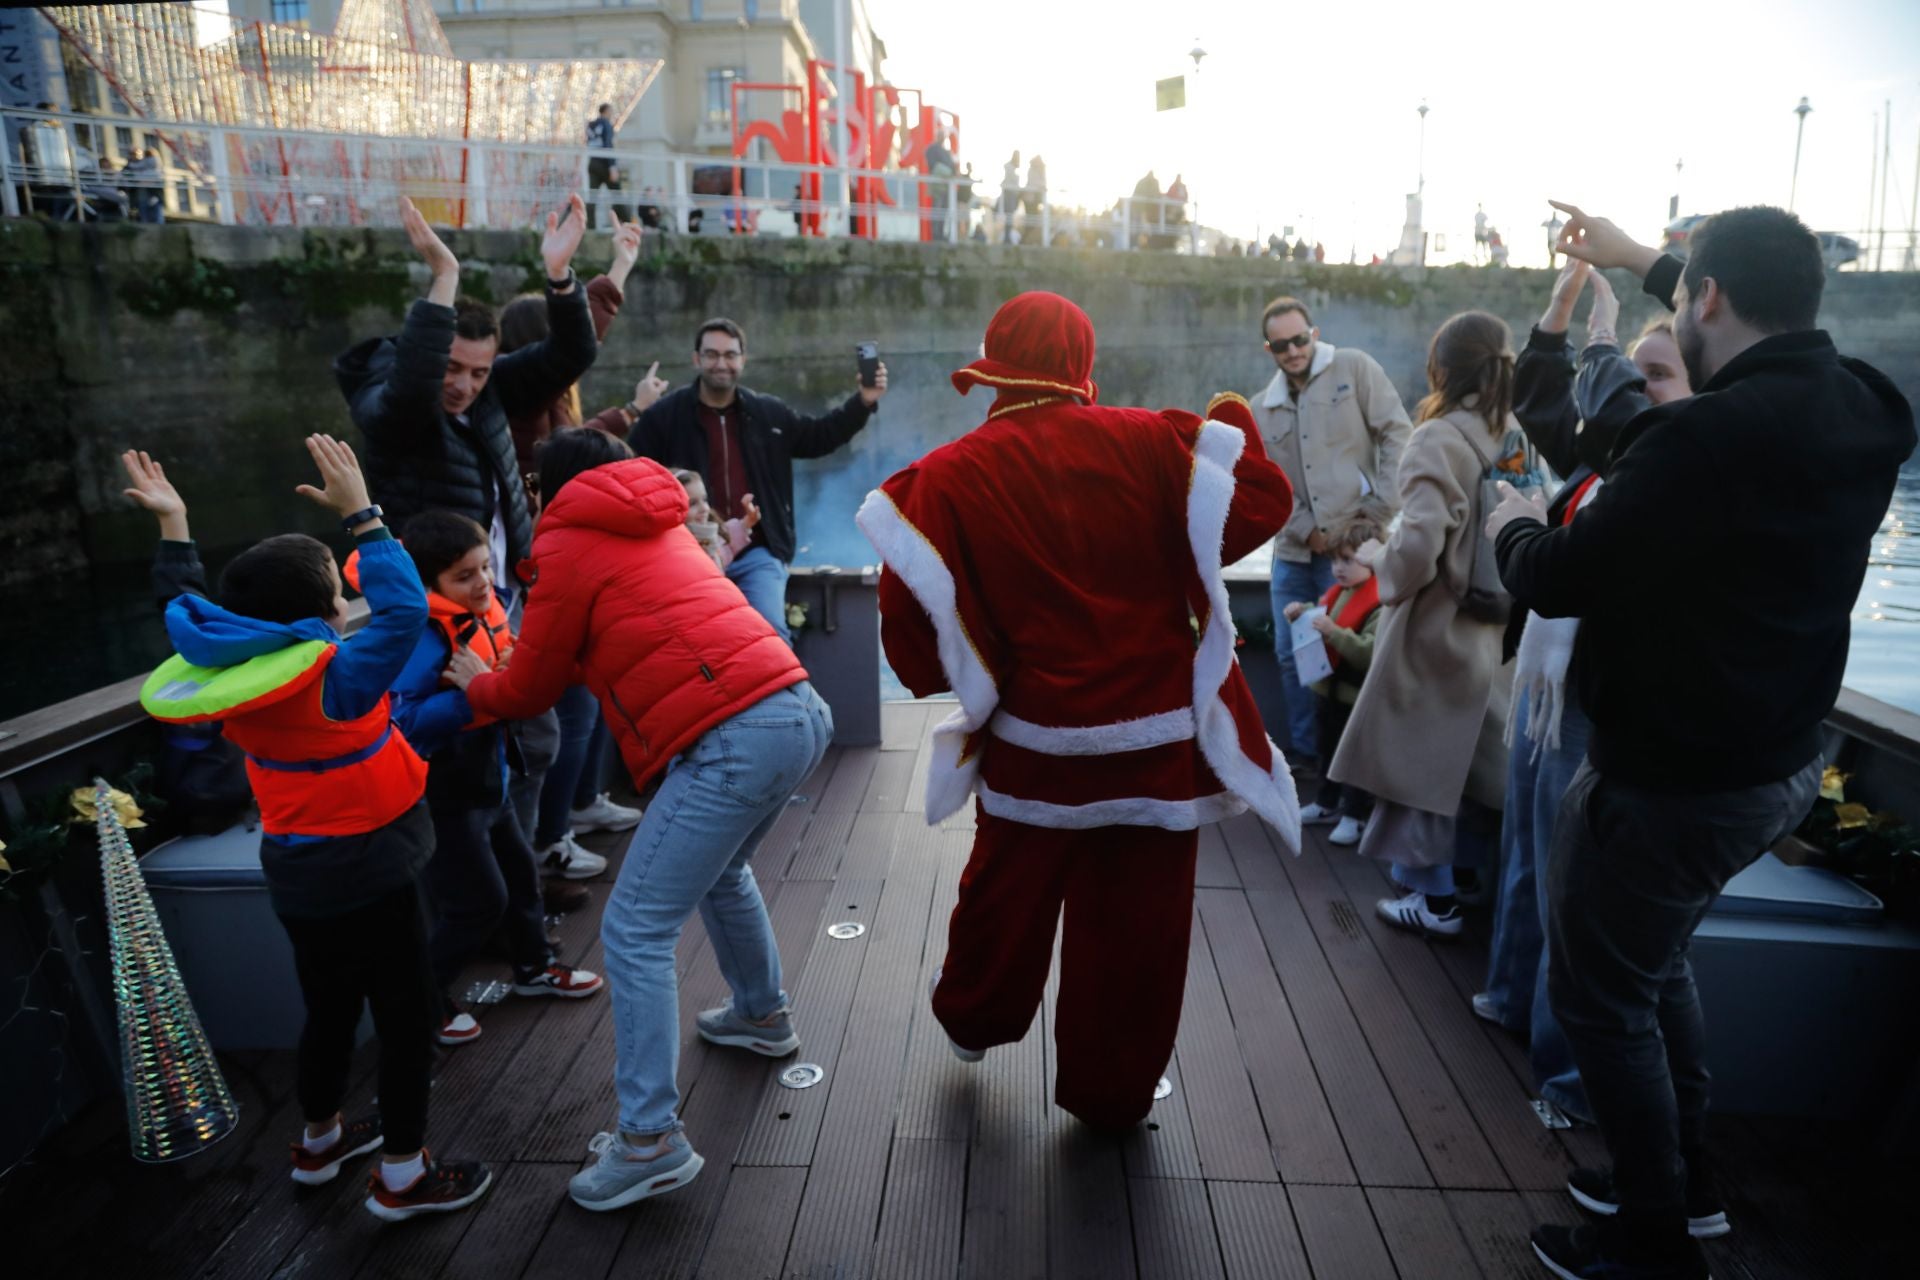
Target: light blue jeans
[(1434, 880), (691, 851), (1517, 966), (1307, 581), (763, 581)]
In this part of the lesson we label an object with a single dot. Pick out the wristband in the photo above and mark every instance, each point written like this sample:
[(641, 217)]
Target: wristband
[(562, 283), (361, 517)]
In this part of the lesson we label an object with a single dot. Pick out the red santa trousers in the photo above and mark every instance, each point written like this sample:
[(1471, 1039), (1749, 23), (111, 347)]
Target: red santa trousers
[(1128, 897)]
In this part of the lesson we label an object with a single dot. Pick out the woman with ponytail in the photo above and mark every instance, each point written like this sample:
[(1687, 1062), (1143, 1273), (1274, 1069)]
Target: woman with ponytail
[(1423, 711)]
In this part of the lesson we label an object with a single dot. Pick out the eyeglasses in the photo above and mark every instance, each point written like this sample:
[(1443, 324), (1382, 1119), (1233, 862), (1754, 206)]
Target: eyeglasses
[(1280, 345), (716, 357)]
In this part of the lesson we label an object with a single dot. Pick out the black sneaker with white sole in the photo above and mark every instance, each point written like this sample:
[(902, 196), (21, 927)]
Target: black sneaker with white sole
[(444, 1187), (1593, 1190), (1603, 1251), (317, 1168)]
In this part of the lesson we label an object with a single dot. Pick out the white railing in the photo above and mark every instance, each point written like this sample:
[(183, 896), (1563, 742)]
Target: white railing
[(62, 165)]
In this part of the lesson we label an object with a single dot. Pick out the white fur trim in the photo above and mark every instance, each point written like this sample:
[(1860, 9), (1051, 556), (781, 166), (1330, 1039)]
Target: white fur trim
[(907, 552), (1127, 811), (1097, 739), (1269, 792)]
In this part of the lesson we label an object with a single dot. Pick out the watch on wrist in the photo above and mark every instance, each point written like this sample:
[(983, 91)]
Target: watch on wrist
[(562, 282), (361, 516)]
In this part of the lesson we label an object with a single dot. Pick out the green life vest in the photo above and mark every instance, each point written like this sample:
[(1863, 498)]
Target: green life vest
[(181, 693)]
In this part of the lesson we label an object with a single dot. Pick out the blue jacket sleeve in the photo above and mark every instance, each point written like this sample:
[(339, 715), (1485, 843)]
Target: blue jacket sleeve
[(429, 714), (371, 660)]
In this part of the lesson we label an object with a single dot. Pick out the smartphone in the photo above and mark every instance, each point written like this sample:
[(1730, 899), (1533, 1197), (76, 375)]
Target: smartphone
[(869, 353)]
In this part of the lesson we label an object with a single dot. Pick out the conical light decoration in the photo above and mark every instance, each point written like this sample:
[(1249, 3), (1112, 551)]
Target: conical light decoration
[(177, 1101)]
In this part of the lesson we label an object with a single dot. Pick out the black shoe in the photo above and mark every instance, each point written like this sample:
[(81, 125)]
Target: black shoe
[(1593, 1190), (1601, 1251), (446, 1186)]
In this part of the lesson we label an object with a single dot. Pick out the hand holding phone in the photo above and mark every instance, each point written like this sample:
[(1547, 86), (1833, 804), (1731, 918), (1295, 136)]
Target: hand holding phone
[(869, 354)]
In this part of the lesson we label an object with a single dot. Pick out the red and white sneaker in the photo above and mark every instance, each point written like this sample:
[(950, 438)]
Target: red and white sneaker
[(558, 980), (443, 1188), (316, 1168), (459, 1028)]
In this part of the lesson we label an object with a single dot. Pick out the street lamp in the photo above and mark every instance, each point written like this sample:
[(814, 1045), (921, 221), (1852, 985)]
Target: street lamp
[(1423, 147), (1553, 226), (1799, 132), (1196, 53)]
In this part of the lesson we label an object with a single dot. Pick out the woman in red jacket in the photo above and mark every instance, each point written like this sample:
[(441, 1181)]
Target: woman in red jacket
[(694, 682)]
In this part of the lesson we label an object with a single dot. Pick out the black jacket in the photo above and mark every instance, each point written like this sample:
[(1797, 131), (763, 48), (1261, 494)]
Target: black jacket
[(1573, 419), (771, 437), (1716, 570), (419, 459)]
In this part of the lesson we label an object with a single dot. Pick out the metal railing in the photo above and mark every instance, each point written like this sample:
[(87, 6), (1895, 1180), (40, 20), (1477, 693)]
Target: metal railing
[(254, 176)]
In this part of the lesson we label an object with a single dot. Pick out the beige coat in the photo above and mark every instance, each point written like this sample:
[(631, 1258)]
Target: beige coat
[(1341, 440), (1423, 713)]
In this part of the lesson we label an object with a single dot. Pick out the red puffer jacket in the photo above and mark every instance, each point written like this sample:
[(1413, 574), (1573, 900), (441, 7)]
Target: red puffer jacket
[(627, 600)]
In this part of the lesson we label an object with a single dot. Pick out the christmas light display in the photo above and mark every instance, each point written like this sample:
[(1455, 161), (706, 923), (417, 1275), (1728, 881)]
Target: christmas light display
[(177, 1101)]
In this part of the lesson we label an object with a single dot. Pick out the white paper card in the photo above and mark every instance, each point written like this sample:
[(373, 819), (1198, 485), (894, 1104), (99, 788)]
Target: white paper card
[(1309, 650)]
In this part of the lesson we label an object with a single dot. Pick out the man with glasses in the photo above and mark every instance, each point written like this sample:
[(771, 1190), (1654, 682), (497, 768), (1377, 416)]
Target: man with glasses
[(742, 443), (1333, 422)]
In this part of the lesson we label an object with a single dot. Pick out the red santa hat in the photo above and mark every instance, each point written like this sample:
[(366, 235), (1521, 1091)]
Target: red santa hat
[(1036, 342)]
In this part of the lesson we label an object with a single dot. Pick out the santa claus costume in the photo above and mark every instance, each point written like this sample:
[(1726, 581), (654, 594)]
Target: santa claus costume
[(1058, 569)]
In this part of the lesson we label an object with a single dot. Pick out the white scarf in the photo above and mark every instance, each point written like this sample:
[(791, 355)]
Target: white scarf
[(1540, 669)]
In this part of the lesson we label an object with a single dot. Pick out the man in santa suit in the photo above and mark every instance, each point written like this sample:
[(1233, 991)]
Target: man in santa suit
[(1050, 569)]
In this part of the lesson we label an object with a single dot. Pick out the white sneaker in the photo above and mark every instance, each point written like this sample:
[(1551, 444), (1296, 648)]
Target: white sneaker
[(604, 815), (1411, 912), (1315, 814), (566, 859), (1348, 832)]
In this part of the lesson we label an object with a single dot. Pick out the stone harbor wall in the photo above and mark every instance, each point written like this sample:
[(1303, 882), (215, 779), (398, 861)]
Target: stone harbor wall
[(210, 347)]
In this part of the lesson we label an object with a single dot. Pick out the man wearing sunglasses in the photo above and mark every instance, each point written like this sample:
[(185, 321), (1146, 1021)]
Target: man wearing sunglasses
[(1333, 422)]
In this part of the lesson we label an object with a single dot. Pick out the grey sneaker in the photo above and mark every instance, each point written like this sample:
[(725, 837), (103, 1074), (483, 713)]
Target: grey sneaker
[(620, 1175), (773, 1037)]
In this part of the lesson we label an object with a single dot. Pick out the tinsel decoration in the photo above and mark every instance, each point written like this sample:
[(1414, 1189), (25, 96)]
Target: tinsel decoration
[(178, 1103)]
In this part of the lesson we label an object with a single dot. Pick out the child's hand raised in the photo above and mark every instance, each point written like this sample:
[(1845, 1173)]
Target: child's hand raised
[(345, 489), (749, 511), (151, 489), (462, 667)]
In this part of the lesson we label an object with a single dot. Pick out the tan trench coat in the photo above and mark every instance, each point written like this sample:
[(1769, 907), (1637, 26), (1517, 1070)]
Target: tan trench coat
[(1423, 714)]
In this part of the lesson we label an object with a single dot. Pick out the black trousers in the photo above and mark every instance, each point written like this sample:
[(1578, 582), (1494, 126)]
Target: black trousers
[(1630, 874), (375, 954), (483, 875), (1332, 715), (600, 174)]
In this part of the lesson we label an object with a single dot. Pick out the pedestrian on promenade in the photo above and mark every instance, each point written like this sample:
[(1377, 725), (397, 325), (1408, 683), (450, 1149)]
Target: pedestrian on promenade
[(602, 170)]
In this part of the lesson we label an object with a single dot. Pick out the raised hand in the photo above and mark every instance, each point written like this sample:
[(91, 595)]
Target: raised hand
[(1597, 241), (1515, 505), (434, 252), (749, 511), (1566, 292), (344, 489), (626, 249), (873, 393), (1604, 318), (649, 388), (150, 488), (563, 236)]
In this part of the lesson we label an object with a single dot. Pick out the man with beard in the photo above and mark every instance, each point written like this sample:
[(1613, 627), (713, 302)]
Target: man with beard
[(743, 445), (1754, 503)]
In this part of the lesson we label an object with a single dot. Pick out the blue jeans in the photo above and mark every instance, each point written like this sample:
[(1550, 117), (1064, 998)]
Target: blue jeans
[(1306, 581), (1435, 880), (579, 767), (763, 581), (719, 799), (1517, 967)]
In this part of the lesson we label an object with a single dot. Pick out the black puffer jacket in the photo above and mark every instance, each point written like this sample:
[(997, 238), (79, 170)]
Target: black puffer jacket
[(419, 459), (772, 435)]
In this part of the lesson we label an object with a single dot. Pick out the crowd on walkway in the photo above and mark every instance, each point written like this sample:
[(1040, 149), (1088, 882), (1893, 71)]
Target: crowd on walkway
[(1475, 675)]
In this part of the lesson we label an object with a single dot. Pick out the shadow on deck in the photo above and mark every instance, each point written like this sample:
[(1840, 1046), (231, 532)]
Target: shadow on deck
[(1337, 1112)]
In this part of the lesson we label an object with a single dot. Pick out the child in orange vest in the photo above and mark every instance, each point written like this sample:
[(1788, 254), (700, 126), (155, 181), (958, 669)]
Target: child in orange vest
[(1352, 612), (483, 874), (344, 834)]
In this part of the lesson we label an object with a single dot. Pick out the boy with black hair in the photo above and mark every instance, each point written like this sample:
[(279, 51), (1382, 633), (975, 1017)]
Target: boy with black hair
[(344, 834), (483, 873)]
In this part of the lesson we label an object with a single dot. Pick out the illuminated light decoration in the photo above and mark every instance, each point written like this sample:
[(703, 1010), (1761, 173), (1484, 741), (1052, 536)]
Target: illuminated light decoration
[(386, 71), (178, 1103)]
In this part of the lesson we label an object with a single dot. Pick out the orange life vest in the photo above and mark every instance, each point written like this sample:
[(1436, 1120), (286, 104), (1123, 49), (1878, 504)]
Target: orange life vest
[(490, 638), (1353, 614)]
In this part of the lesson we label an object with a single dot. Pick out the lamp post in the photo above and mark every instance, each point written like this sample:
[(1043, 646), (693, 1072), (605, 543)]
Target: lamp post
[(1552, 225), (1800, 131), (1422, 166)]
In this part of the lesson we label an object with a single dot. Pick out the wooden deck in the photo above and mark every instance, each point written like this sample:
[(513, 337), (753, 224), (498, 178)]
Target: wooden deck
[(1337, 1113)]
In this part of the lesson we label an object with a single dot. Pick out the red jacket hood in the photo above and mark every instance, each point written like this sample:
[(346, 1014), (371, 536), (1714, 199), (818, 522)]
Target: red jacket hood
[(636, 498)]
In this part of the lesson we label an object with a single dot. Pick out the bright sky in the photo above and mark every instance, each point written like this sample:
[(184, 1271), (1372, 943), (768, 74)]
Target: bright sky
[(1304, 114)]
